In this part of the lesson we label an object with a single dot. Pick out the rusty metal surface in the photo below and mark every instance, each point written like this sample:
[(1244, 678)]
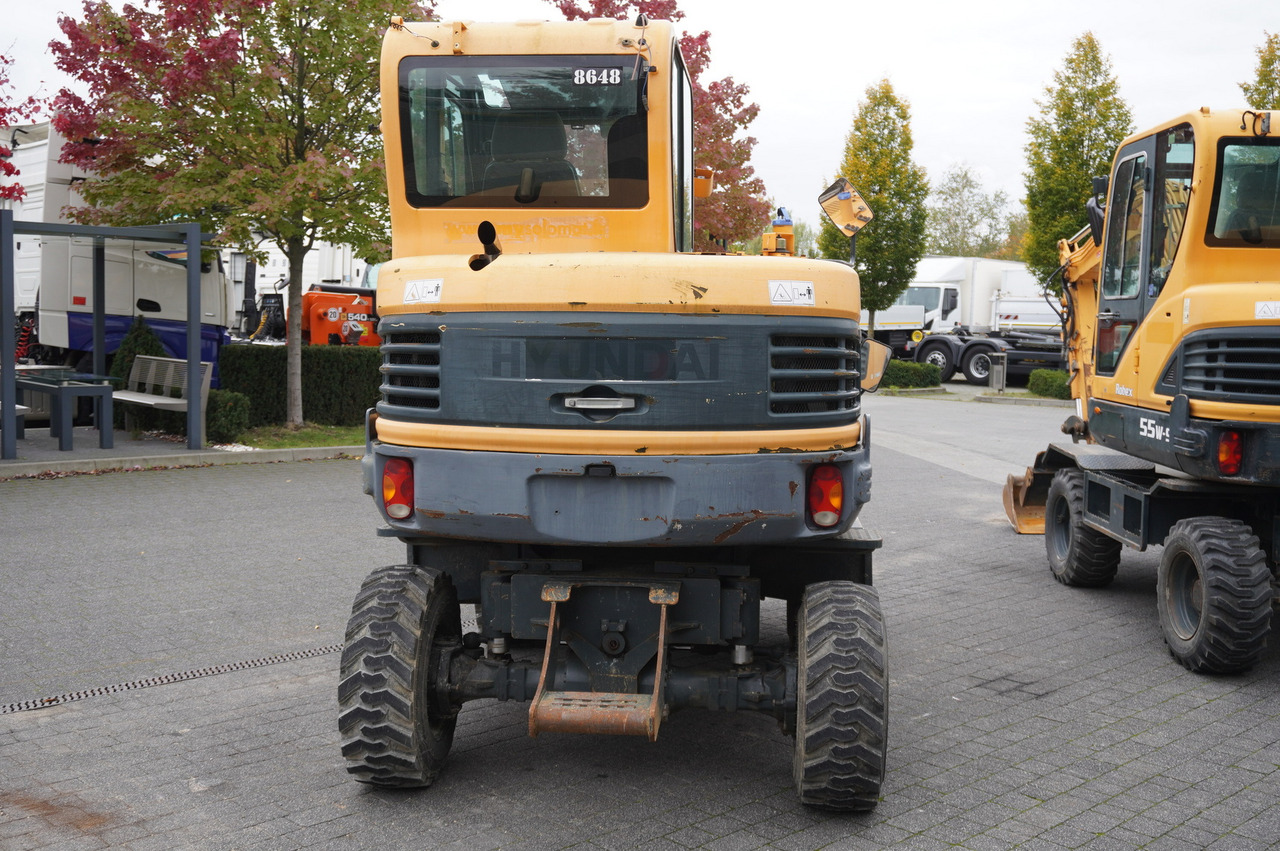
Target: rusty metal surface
[(553, 642), (556, 592), (1024, 501), (598, 712), (588, 712), (664, 595)]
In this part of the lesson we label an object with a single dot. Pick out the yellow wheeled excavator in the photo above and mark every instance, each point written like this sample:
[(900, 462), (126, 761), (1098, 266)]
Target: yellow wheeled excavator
[(1172, 337), (609, 445)]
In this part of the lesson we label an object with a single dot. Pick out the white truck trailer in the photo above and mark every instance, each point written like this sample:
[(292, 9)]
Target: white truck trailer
[(53, 275)]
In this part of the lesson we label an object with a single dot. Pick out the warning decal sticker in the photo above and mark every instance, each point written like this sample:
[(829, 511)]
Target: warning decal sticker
[(423, 292), (791, 293)]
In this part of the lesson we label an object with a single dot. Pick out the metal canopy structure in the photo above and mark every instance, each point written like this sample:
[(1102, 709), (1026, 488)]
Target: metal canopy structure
[(184, 233)]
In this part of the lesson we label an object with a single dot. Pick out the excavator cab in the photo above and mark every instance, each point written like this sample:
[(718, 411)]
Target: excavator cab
[(580, 141)]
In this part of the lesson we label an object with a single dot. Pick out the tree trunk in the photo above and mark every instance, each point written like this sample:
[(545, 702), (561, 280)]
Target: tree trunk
[(296, 251)]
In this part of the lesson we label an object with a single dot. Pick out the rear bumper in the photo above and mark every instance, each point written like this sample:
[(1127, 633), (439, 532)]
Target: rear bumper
[(653, 500)]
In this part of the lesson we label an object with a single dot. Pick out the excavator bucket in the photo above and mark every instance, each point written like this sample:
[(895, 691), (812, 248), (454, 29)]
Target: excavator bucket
[(1025, 497)]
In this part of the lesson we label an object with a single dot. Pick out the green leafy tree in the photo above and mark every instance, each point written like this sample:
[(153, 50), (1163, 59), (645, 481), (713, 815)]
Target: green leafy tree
[(254, 118), (806, 239), (877, 161), (965, 221), (1082, 120), (1015, 240), (1264, 91)]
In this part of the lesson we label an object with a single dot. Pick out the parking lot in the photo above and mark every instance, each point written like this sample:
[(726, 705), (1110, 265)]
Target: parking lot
[(184, 622)]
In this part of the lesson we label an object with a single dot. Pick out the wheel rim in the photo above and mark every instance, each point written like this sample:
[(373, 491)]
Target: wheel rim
[(1059, 531), (1184, 597), (980, 366), (936, 358)]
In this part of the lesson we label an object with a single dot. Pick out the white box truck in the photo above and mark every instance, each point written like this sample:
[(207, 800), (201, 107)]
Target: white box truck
[(975, 307), (53, 275), (979, 294)]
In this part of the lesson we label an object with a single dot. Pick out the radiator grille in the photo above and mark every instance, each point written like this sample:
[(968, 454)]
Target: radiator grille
[(1232, 369), (812, 374), (411, 369)]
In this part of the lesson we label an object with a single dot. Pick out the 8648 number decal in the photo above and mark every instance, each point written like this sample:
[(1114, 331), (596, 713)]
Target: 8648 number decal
[(597, 76)]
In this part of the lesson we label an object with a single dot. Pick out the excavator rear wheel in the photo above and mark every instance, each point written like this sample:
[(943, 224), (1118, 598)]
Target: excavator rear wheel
[(842, 694), (1078, 556), (395, 730), (1214, 592)]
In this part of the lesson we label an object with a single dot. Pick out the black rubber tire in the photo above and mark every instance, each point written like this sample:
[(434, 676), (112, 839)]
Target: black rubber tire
[(1214, 593), (842, 698), (395, 732), (1078, 556), (940, 356), (977, 366), (793, 622)]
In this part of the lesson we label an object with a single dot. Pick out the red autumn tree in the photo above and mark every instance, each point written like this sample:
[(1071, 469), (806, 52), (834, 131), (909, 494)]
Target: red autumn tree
[(10, 114), (737, 210), (252, 117)]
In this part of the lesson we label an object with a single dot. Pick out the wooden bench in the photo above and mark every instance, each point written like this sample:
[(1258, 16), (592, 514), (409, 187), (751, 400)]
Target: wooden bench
[(161, 383)]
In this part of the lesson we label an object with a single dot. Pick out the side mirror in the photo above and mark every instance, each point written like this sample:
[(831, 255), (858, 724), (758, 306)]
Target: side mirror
[(1096, 209), (704, 180), (875, 360), (845, 207)]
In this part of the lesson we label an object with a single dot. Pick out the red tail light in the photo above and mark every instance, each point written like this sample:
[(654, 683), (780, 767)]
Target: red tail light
[(826, 495), (397, 488), (1230, 453)]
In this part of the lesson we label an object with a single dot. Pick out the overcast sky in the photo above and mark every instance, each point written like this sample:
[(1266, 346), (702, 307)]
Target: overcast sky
[(971, 71)]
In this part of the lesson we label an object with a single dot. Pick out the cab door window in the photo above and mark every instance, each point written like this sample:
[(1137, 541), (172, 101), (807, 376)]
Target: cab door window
[(1123, 267), (1124, 236), (1175, 154)]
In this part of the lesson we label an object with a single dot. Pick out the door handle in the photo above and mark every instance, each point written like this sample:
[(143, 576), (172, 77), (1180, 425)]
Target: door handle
[(600, 403)]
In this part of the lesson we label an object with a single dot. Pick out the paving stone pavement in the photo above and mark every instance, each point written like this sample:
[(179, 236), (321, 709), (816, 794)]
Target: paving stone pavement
[(1022, 713)]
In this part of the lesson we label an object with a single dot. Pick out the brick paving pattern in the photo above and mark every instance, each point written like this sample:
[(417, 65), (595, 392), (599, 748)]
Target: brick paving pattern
[(1022, 714)]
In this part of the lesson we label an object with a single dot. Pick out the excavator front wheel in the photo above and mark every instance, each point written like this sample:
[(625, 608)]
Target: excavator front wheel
[(1078, 556)]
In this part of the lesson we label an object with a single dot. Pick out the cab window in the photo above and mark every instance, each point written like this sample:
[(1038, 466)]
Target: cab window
[(1122, 263), (1246, 194), (1175, 153), (1124, 231), (524, 131)]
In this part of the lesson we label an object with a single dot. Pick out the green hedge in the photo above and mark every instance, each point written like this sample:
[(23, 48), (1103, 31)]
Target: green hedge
[(1052, 383), (905, 373), (227, 417), (339, 383)]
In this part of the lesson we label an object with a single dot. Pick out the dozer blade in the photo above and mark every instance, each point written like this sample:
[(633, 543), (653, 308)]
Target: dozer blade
[(1024, 500)]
